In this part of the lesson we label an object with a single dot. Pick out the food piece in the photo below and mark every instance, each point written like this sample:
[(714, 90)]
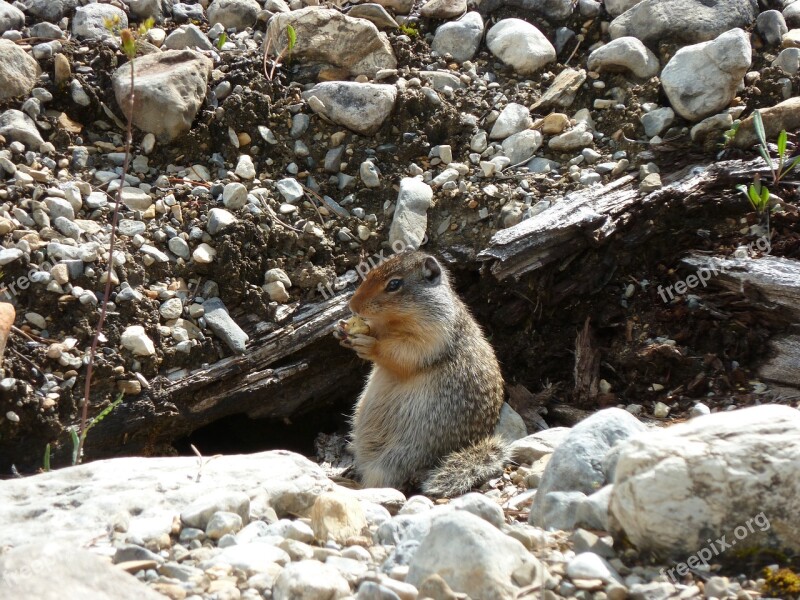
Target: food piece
[(355, 325)]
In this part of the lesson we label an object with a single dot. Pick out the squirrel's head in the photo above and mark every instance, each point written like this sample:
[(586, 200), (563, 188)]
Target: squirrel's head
[(409, 285)]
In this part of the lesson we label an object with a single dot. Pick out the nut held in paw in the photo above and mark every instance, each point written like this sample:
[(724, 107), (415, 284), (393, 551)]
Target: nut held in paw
[(355, 325)]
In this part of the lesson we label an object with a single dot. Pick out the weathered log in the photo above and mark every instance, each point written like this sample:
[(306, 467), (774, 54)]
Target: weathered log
[(593, 216)]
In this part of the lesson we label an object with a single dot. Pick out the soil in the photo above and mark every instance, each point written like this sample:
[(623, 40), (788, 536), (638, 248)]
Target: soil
[(704, 350)]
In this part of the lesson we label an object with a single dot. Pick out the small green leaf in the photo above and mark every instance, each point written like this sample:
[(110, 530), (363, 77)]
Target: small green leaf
[(765, 155), (754, 196), (75, 445), (758, 124), (46, 458), (782, 137), (764, 196), (221, 40), (291, 34), (103, 414)]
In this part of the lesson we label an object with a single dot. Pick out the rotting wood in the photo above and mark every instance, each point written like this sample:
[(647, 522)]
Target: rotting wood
[(593, 217)]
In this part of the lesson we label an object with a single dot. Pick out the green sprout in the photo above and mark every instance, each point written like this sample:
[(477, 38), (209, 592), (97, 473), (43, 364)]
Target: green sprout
[(410, 29), (763, 149), (223, 37), (78, 440), (46, 466), (128, 37)]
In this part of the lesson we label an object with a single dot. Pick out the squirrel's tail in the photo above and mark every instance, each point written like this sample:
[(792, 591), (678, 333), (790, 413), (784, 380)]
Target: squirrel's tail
[(467, 468)]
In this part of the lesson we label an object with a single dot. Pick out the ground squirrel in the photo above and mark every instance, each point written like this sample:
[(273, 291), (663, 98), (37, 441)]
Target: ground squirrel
[(429, 409)]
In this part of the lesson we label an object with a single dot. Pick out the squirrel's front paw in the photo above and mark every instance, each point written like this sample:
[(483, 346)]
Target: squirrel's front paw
[(364, 345)]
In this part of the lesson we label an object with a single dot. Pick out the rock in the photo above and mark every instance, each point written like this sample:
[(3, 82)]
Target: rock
[(625, 53), (788, 61), (400, 7), (473, 557), (277, 275), (562, 91), (234, 195), (135, 339), (771, 26), (171, 309), (556, 10), (369, 174), (461, 39), (245, 167), (791, 39), (785, 115), (687, 21), (592, 512), (328, 37), (338, 517), (361, 107), (290, 189), (310, 580), (7, 316), (78, 504), (520, 45), (443, 9), (711, 126), (223, 326), (16, 125), (71, 573), (50, 10), (170, 86), (529, 449), (10, 18), (755, 451), (576, 138), (521, 146), (577, 464), (701, 80), (90, 21), (480, 506), (588, 565), (204, 254), (135, 198), (617, 7), (251, 558), (442, 79), (510, 426), (277, 291), (219, 219), (188, 36), (199, 513), (410, 220), (657, 120), (374, 13), (512, 119), (791, 14), (233, 14)]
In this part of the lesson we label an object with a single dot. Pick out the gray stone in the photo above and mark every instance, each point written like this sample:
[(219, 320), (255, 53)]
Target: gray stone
[(512, 119), (374, 13), (223, 326), (520, 45), (55, 571), (788, 60), (657, 120), (410, 220), (771, 27), (18, 71), (188, 36), (461, 39), (233, 14), (169, 88), (687, 21), (328, 37), (577, 138), (310, 580), (290, 189), (17, 126), (51, 10), (510, 426), (198, 514), (734, 473), (443, 9), (791, 14), (10, 17), (521, 146), (219, 219), (533, 447), (179, 247), (234, 195), (90, 21), (554, 10), (473, 557), (616, 7), (480, 506), (588, 565), (625, 53), (369, 174), (441, 79), (361, 107), (577, 463), (701, 80)]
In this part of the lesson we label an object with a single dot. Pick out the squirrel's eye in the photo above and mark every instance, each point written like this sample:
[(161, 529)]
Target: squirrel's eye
[(394, 285)]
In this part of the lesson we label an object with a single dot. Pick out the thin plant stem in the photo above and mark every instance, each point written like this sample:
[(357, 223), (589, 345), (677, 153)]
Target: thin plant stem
[(107, 291)]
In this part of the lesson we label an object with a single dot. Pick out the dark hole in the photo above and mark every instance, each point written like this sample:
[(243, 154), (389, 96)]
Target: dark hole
[(239, 434)]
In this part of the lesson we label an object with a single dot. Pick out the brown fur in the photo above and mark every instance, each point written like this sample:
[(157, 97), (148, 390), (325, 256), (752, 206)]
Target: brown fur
[(431, 403)]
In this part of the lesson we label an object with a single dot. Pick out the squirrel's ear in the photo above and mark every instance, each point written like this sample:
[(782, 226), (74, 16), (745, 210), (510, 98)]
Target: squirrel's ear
[(431, 269)]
